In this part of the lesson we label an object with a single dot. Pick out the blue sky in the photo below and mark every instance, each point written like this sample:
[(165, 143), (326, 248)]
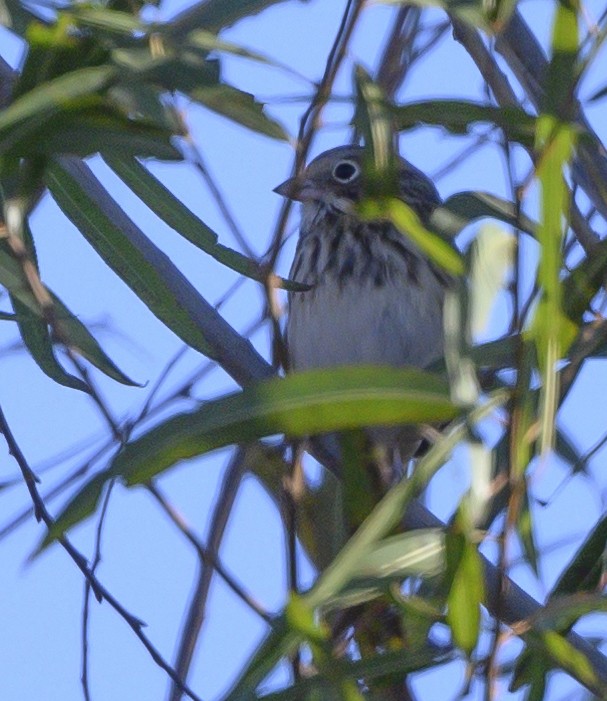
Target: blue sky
[(147, 564)]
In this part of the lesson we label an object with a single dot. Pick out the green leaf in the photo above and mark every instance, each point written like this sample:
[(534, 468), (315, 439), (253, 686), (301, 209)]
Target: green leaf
[(207, 41), (174, 213), (374, 122), (298, 405), (584, 571), (565, 656), (176, 70), (338, 574), (492, 257), (85, 132), (584, 281), (489, 17), (241, 107), (75, 334), (551, 330), (83, 507), (562, 72), (114, 21), (524, 529), (419, 553), (68, 328), (30, 111), (35, 335), (462, 208), (408, 223), (215, 15), (467, 588), (120, 253), (458, 116), (317, 401), (393, 663)]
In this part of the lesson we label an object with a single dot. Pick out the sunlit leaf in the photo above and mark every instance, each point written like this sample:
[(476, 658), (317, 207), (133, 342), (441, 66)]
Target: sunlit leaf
[(333, 580), (466, 586), (492, 258), (316, 401), (551, 329), (416, 553), (408, 223)]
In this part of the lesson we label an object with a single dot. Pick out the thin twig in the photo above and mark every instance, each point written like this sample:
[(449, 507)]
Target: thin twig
[(209, 562), (101, 593)]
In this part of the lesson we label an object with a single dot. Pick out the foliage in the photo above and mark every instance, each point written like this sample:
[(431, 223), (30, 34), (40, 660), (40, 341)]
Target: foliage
[(102, 80)]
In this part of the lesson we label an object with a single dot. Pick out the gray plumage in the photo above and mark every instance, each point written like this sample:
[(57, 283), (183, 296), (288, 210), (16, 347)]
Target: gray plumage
[(374, 297)]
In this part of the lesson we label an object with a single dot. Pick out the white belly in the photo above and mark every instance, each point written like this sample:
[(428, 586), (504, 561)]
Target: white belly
[(395, 324)]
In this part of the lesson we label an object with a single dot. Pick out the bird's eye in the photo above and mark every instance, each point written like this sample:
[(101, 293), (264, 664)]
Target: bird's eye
[(346, 171)]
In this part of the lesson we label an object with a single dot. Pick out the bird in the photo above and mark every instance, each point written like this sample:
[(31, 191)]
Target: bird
[(372, 297)]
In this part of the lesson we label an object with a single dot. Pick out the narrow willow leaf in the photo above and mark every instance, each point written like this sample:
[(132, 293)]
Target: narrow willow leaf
[(465, 597), (360, 493), (584, 281), (70, 330), (83, 507), (339, 573), (561, 612), (85, 132), (492, 258), (374, 122), (304, 403), (555, 140), (397, 663), (531, 667), (214, 15), (584, 571), (109, 20), (174, 213), (241, 107), (478, 14), (203, 39), (551, 329), (130, 263), (408, 223), (177, 69), (466, 582), (565, 656), (462, 208), (524, 528), (458, 116), (35, 334), (419, 553), (29, 111), (317, 401), (75, 334), (457, 357)]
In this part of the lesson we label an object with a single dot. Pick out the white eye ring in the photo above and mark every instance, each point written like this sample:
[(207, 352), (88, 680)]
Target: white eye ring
[(346, 171)]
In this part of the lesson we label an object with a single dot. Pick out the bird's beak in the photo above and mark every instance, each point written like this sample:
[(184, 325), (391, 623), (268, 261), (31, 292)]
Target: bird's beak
[(291, 188), (300, 189)]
